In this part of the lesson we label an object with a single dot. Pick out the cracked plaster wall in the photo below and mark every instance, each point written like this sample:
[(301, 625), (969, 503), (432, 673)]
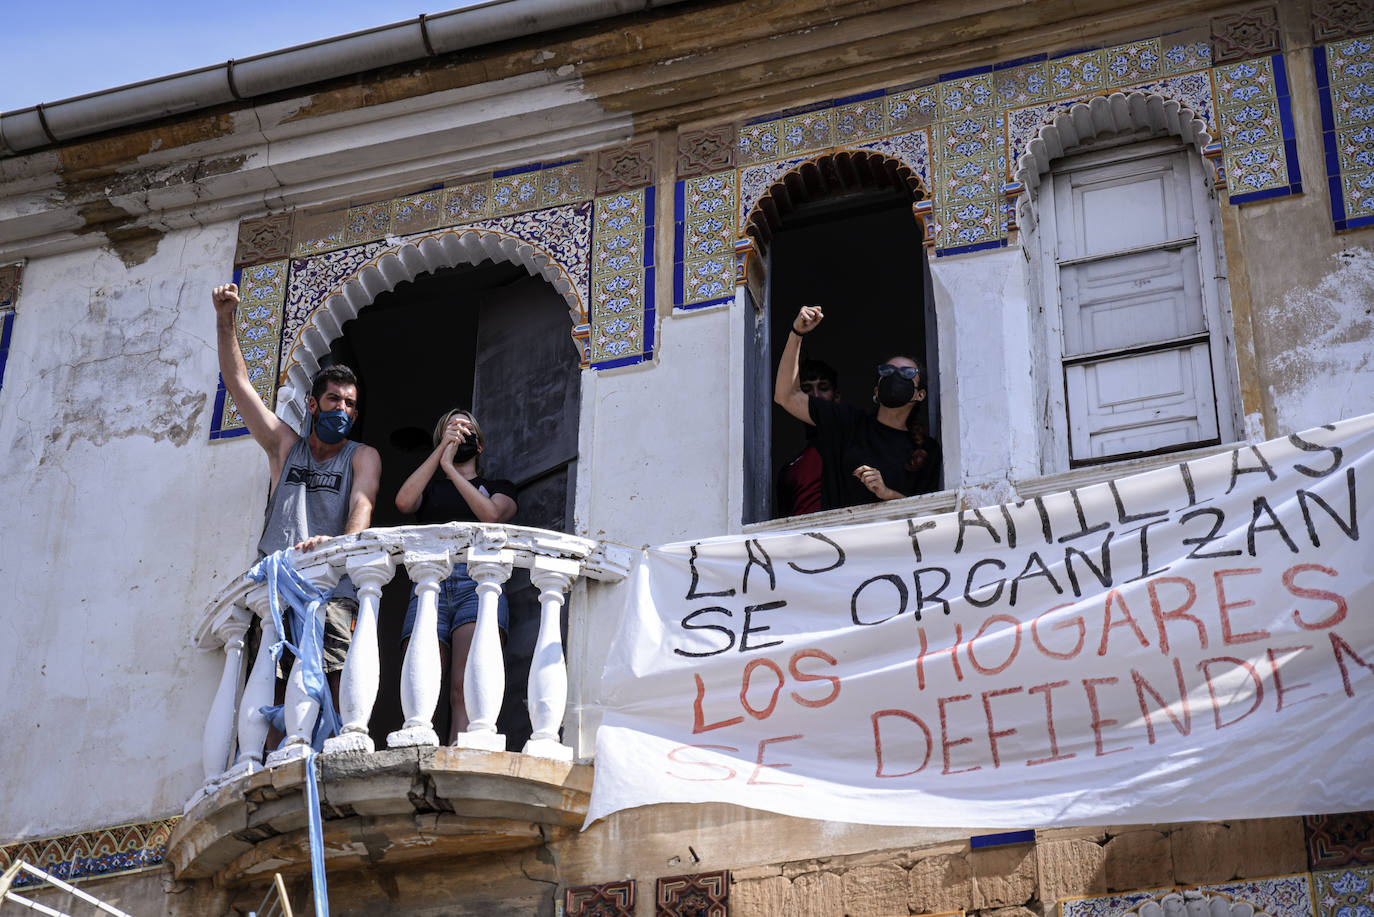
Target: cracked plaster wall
[(1320, 339), (115, 533)]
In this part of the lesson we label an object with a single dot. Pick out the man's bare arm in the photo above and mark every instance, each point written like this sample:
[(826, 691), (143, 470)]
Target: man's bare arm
[(367, 477), (274, 436), (787, 391)]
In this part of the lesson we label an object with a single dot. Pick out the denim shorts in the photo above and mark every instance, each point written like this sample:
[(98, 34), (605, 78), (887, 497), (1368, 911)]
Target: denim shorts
[(457, 606)]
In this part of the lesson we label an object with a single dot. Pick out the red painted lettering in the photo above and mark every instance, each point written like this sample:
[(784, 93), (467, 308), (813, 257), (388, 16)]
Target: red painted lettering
[(878, 741), (673, 756), (1174, 614), (1225, 607), (699, 723), (746, 680), (1045, 689), (1075, 621), (1241, 665), (1336, 616), (945, 743), (1126, 621), (1142, 686), (1090, 686), (799, 675), (993, 733), (1001, 634), (760, 765)]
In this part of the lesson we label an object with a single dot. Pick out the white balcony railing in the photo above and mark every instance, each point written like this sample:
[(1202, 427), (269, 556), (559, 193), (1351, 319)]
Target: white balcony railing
[(236, 730)]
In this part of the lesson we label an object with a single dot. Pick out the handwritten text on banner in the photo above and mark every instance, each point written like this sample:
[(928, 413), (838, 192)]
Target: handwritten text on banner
[(1196, 642)]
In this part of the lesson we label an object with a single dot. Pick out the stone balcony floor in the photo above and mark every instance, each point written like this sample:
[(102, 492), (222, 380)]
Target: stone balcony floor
[(389, 806)]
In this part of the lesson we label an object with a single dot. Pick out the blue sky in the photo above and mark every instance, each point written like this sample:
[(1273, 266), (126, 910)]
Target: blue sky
[(55, 49)]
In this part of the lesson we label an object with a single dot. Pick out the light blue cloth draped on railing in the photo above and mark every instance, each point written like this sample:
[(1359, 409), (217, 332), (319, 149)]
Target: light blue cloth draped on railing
[(286, 585)]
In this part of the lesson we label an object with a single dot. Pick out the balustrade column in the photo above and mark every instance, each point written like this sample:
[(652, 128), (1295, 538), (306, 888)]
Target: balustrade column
[(484, 681), (548, 683), (420, 673), (362, 668), (257, 692), (218, 742)]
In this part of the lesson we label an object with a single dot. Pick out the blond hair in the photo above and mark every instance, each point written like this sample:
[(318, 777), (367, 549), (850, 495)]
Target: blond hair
[(449, 415)]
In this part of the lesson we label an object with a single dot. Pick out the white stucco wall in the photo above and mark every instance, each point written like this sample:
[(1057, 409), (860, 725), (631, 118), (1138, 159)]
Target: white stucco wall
[(119, 521)]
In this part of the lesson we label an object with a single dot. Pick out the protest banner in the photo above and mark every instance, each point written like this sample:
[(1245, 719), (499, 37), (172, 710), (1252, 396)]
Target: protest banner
[(1194, 642)]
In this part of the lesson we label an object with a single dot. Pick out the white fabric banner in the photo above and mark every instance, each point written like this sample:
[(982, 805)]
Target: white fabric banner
[(1195, 642)]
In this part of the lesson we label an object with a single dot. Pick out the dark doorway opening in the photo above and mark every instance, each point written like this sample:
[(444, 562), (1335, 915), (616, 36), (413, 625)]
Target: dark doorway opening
[(493, 338), (861, 256)]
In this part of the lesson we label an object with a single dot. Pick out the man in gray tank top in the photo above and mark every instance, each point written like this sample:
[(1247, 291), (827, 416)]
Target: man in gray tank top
[(323, 484)]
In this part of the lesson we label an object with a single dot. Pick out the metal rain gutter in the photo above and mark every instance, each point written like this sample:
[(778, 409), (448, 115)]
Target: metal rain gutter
[(237, 80)]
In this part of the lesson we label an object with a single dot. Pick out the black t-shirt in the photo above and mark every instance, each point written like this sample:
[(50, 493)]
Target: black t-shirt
[(441, 501), (848, 438)]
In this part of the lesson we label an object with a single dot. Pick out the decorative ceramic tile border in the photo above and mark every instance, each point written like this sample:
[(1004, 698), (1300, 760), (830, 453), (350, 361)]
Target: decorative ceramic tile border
[(1249, 34), (6, 330), (704, 235), (620, 328), (611, 899), (1345, 892), (598, 251), (1256, 115), (262, 290), (9, 297), (1280, 896), (963, 134), (90, 854), (703, 895), (1345, 86), (1342, 839)]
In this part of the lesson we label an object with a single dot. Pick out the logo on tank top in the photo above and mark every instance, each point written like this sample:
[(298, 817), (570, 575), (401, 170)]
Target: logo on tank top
[(313, 479)]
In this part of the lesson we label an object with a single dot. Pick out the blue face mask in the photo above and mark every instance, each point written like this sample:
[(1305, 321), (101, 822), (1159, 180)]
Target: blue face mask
[(333, 426)]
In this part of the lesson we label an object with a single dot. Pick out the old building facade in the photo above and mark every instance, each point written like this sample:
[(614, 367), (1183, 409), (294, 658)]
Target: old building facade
[(1116, 233)]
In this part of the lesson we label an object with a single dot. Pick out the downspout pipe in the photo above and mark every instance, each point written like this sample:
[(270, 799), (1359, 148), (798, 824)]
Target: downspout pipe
[(236, 80)]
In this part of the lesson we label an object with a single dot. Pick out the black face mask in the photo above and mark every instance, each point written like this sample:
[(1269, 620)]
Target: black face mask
[(466, 450), (894, 391)]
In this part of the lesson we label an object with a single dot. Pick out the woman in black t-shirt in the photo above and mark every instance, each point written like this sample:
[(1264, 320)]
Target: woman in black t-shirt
[(447, 487), (865, 458)]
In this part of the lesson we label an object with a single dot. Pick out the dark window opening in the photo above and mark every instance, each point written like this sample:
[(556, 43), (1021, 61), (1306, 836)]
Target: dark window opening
[(495, 339), (861, 256)]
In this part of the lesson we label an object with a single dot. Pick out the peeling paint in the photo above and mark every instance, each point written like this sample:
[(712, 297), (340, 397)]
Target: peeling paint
[(1326, 370)]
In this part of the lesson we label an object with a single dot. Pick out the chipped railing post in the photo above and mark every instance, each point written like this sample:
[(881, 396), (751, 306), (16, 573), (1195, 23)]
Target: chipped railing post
[(484, 681), (257, 692), (548, 683), (218, 742), (362, 668), (420, 673)]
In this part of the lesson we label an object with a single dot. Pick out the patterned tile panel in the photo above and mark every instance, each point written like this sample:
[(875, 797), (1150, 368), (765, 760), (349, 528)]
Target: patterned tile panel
[(703, 243), (1345, 85), (316, 233), (1342, 839), (611, 899), (564, 234), (703, 895), (977, 122), (6, 332), (620, 311), (262, 292), (702, 151), (1281, 896), (103, 852), (1347, 892), (416, 213)]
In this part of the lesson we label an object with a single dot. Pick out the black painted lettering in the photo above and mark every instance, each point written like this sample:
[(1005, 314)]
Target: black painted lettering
[(914, 528), (1034, 562), (761, 559), (923, 597), (839, 555), (1237, 470), (978, 521), (1102, 570), (696, 579), (901, 598), (749, 628), (1218, 520), (1262, 507), (1306, 446), (1124, 517), (727, 632), (998, 584), (1083, 527), (1350, 527)]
